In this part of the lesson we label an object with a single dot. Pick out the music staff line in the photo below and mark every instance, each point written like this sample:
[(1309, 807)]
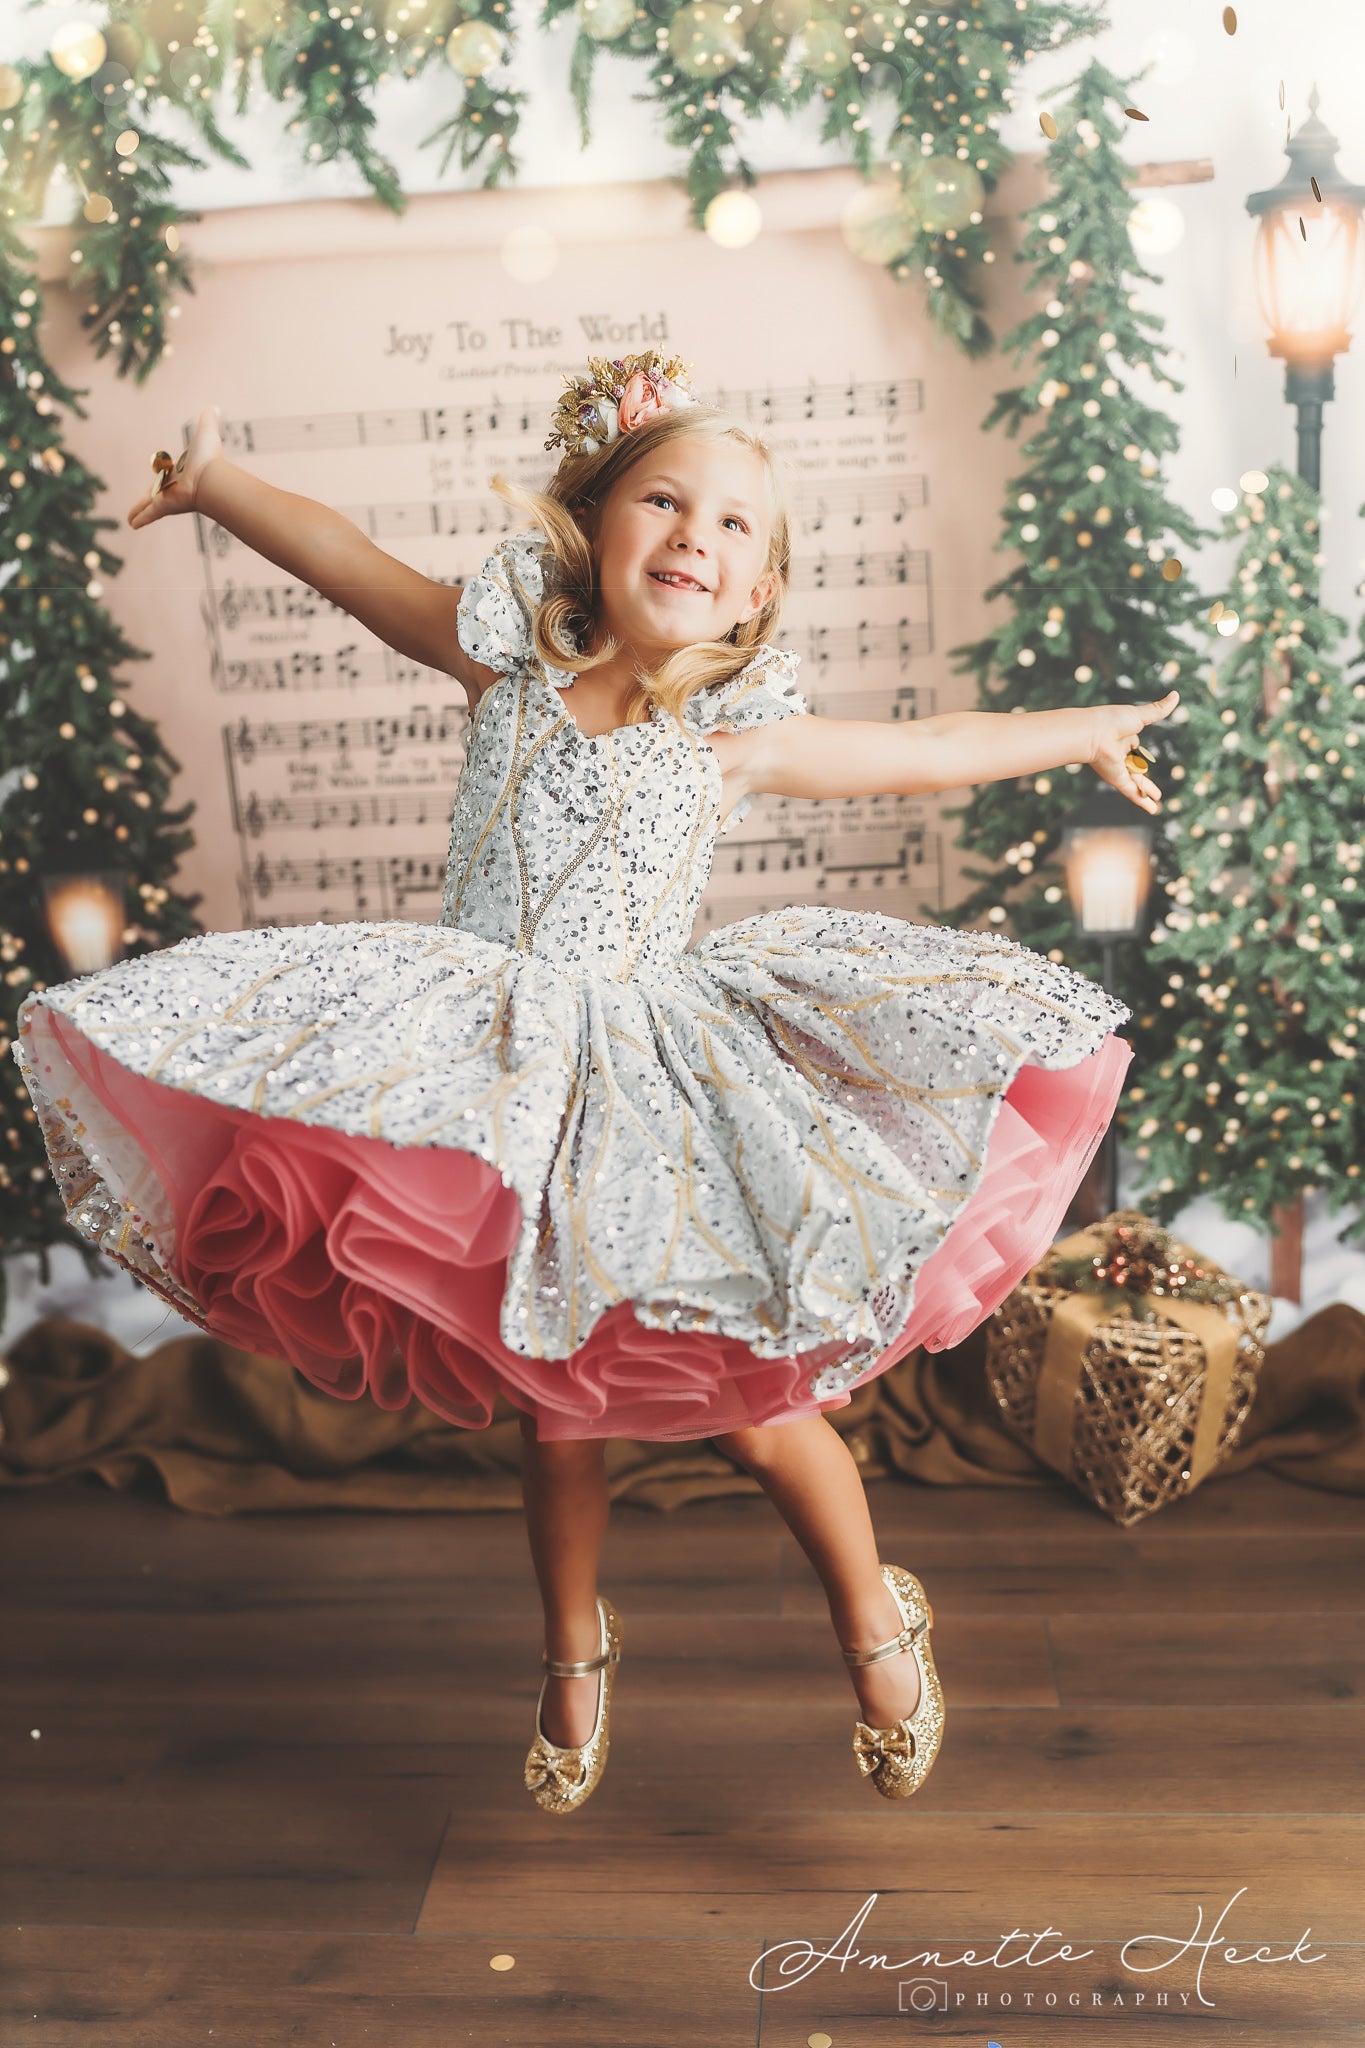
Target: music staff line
[(377, 732), (916, 846), (407, 426), (812, 505), (379, 667), (381, 885), (258, 816), (868, 569), (421, 728), (351, 667)]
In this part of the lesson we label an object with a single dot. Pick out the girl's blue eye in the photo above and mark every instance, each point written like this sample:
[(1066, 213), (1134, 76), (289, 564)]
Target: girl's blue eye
[(665, 495)]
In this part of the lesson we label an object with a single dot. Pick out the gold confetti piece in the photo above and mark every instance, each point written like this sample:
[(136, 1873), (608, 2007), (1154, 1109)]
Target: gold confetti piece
[(1172, 569), (502, 1962), (1230, 20), (1134, 114), (1317, 190), (1048, 126), (1216, 611), (1281, 95), (1302, 229)]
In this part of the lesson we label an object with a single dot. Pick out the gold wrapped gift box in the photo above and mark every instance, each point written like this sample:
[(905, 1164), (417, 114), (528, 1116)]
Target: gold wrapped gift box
[(1128, 1363)]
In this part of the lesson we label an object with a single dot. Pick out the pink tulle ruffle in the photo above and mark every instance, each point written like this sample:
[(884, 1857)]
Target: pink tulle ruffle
[(371, 1266)]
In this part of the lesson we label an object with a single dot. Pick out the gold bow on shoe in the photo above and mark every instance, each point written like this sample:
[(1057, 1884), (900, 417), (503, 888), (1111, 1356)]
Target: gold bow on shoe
[(563, 1770), (875, 1746)]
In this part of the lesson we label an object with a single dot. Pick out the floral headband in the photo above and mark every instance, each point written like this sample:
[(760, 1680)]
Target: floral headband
[(615, 397)]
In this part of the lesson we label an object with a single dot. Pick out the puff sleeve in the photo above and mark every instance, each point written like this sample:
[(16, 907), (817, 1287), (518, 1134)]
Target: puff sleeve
[(497, 607), (763, 690)]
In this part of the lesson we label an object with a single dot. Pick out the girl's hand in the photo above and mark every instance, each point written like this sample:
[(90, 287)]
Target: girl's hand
[(1118, 730), (181, 488)]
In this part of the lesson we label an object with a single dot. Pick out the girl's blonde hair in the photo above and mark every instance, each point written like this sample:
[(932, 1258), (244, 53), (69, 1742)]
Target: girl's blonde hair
[(567, 614)]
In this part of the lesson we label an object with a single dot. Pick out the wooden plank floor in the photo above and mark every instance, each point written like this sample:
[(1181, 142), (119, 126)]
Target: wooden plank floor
[(260, 1782)]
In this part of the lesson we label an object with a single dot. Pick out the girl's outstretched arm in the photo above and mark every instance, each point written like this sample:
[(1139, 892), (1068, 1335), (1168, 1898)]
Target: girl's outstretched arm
[(320, 547), (831, 757)]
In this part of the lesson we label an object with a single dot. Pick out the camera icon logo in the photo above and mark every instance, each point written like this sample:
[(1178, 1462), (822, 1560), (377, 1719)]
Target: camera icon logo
[(923, 1994)]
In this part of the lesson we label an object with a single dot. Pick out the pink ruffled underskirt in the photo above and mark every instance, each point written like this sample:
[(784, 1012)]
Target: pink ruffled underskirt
[(379, 1268)]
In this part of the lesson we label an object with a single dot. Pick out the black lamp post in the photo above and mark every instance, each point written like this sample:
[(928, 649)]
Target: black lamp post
[(1107, 849), (1309, 276)]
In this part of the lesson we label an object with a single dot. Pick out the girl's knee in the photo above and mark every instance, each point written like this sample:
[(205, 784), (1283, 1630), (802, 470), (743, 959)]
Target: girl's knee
[(767, 1445), (752, 1446)]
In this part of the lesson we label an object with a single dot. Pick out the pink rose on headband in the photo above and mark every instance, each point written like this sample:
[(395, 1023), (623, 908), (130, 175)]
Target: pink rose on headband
[(640, 401)]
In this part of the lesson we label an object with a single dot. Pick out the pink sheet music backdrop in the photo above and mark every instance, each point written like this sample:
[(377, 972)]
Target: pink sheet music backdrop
[(388, 366)]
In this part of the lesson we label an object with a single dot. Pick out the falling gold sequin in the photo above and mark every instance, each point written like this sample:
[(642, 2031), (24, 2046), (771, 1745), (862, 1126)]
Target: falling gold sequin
[(1048, 126)]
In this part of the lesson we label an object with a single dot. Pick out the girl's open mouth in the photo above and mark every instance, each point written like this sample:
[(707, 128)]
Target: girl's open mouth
[(667, 584)]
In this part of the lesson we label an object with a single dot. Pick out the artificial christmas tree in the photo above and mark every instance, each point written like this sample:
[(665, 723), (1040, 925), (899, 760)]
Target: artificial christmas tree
[(83, 777), (1099, 604), (1261, 945)]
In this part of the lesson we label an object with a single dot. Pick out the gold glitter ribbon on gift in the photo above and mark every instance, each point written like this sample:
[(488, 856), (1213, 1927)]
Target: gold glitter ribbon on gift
[(1069, 1330)]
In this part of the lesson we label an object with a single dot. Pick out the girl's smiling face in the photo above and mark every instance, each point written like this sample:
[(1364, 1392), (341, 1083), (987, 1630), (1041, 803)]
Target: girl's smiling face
[(681, 546)]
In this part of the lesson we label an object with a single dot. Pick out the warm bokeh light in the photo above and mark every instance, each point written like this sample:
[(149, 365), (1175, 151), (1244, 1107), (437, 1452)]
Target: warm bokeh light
[(85, 919), (733, 219), (1309, 283), (1108, 875), (1156, 225)]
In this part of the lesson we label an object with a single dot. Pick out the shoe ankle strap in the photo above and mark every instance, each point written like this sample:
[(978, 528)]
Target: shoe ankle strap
[(904, 1641), (559, 1667)]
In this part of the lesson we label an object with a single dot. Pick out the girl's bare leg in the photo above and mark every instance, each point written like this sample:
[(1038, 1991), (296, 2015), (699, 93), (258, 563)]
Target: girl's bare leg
[(811, 1477), (564, 1492)]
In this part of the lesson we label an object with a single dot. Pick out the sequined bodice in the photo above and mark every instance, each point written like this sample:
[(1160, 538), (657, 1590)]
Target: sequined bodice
[(592, 852)]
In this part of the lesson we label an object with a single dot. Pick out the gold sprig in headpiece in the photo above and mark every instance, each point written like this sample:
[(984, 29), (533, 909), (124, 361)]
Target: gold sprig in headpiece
[(614, 396)]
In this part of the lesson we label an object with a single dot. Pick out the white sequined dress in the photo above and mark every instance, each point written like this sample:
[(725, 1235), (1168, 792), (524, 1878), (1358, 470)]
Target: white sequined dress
[(548, 1149)]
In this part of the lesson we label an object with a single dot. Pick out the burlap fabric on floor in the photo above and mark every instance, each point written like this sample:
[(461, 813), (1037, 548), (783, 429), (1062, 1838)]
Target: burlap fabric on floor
[(226, 1431)]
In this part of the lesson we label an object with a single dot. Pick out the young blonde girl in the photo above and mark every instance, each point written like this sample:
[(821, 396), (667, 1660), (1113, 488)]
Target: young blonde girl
[(658, 578)]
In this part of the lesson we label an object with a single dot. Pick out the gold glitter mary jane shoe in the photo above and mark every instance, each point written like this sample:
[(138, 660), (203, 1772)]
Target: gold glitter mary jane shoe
[(561, 1779), (898, 1759)]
